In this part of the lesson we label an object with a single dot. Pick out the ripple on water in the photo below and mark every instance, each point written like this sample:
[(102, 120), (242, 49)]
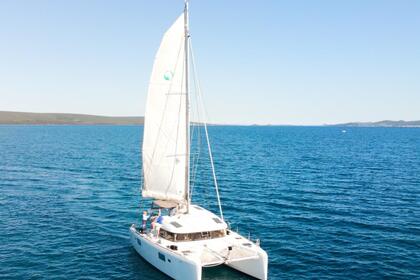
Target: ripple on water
[(325, 204)]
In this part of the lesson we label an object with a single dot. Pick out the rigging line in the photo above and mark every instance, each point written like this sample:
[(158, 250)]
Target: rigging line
[(198, 136), (195, 158), (197, 129), (196, 161), (207, 135), (195, 135), (201, 121), (199, 141), (194, 140)]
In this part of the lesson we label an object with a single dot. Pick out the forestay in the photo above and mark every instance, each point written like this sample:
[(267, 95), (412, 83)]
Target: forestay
[(165, 128)]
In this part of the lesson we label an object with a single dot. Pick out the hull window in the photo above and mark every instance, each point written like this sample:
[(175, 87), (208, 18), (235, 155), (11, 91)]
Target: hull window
[(162, 257), (139, 242)]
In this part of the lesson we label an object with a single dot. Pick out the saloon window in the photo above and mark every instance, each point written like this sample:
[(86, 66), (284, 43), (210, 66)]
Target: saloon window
[(200, 235), (167, 235), (195, 236)]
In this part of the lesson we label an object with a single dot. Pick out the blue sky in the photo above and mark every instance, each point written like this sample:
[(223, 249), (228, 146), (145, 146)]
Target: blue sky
[(264, 62)]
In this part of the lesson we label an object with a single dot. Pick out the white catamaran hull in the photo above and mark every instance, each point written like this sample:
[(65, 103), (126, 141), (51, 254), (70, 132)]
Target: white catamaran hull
[(179, 267), (256, 268), (163, 259)]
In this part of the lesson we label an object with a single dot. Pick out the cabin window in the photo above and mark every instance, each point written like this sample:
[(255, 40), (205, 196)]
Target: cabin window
[(162, 256), (200, 235), (167, 235), (194, 236), (217, 233)]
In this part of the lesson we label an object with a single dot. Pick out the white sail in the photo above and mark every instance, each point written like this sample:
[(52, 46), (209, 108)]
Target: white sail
[(165, 129)]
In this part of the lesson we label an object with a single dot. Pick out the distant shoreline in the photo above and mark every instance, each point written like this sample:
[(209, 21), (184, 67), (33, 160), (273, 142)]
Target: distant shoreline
[(386, 123), (7, 117), (27, 118)]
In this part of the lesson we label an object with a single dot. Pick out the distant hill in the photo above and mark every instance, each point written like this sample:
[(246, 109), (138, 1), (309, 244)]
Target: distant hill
[(60, 118), (385, 123), (7, 117)]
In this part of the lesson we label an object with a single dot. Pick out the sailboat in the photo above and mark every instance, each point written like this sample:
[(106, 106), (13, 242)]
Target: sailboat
[(187, 237)]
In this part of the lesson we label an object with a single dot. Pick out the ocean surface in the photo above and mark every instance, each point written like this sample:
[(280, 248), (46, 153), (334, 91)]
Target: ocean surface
[(325, 204)]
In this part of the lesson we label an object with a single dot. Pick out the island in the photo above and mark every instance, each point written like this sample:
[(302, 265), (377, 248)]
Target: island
[(386, 123), (7, 117)]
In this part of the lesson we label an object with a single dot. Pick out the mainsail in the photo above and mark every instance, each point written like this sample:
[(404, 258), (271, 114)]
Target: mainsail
[(165, 139)]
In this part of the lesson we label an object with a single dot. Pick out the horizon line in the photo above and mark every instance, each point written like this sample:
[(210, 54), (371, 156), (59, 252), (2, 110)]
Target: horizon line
[(212, 123)]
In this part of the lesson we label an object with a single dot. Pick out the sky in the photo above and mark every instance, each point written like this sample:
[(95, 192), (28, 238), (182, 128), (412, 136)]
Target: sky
[(259, 62)]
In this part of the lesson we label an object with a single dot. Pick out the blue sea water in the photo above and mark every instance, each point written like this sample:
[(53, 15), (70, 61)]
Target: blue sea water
[(325, 204)]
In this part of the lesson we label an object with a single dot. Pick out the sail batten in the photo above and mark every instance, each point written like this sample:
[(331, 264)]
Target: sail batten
[(166, 125)]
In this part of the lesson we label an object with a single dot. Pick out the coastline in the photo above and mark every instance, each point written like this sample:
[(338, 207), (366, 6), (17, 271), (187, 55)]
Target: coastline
[(28, 118)]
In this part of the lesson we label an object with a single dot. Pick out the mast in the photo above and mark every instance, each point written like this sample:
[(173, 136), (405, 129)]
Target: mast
[(187, 111)]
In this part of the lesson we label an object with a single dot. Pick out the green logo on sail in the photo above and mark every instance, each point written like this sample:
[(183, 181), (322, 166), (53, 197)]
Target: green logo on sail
[(168, 75)]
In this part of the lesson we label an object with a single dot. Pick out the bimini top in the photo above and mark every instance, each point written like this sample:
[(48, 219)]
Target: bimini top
[(197, 220)]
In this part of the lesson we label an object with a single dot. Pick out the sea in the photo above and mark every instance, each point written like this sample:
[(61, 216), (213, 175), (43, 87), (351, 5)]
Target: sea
[(325, 202)]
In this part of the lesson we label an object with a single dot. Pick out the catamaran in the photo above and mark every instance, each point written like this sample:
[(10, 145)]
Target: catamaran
[(188, 237)]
